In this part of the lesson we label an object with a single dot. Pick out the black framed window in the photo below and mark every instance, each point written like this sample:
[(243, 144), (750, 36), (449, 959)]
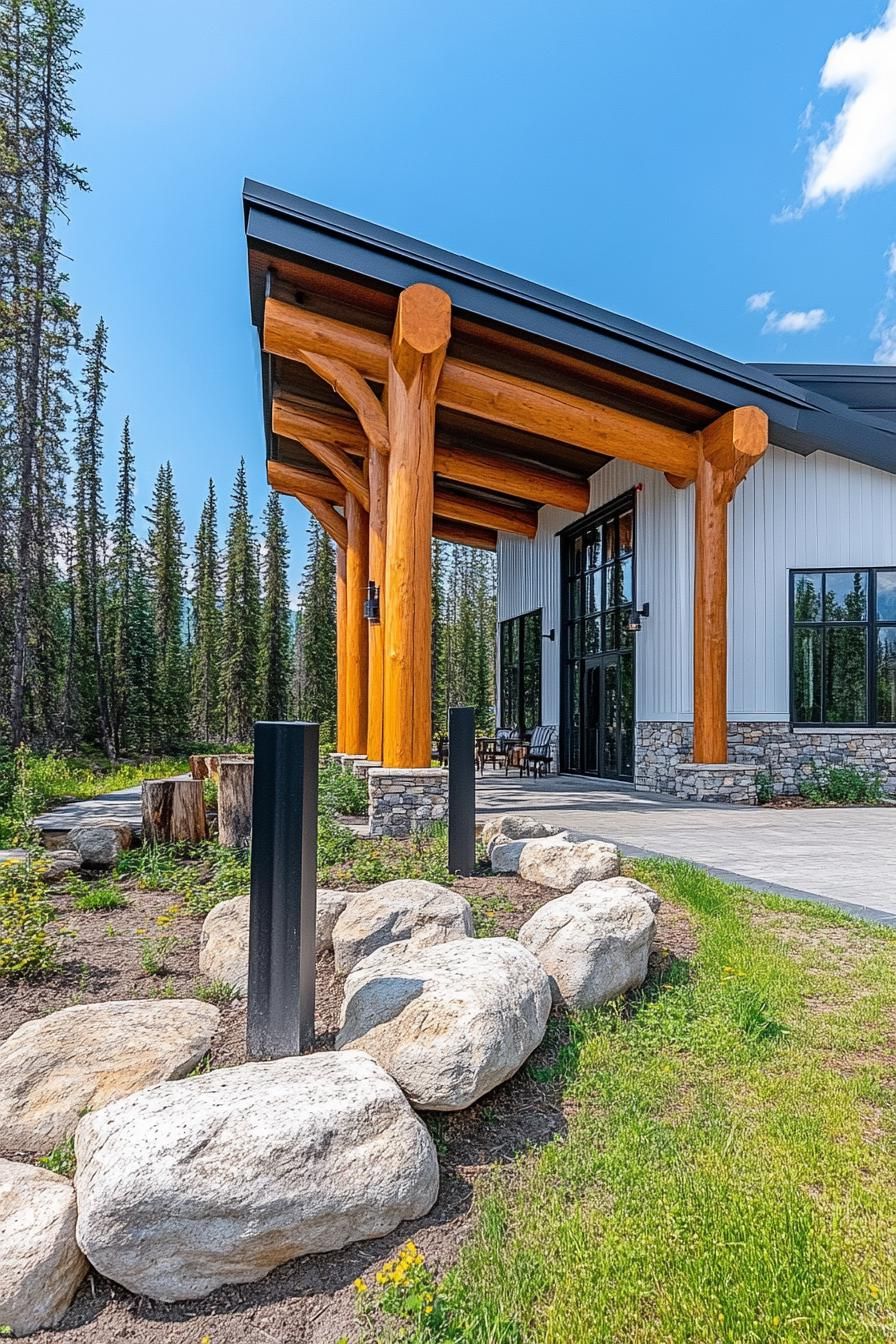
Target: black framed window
[(521, 672), (843, 647)]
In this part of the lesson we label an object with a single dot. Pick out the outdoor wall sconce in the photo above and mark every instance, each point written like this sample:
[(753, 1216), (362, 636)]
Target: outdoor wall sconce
[(549, 635), (634, 621), (372, 603)]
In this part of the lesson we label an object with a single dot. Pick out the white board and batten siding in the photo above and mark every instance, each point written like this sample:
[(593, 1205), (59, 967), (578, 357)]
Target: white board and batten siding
[(791, 512)]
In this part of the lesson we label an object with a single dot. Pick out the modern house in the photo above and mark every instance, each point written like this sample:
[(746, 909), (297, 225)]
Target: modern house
[(696, 556)]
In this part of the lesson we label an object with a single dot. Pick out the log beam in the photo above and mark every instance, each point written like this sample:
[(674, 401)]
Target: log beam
[(288, 480), (341, 466), (728, 448), (291, 331), (341, 616), (332, 522), (356, 392), (485, 513), (415, 361), (525, 480), (465, 534), (377, 483), (355, 719), (301, 420)]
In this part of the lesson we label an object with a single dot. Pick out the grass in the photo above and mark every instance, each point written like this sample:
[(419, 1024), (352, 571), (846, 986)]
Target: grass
[(728, 1173), (345, 860), (201, 875), (98, 895), (61, 1160)]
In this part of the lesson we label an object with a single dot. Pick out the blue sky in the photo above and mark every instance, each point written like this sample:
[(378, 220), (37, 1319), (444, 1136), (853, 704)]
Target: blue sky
[(667, 160)]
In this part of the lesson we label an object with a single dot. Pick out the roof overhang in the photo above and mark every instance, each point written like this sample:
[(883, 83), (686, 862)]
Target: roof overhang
[(342, 267)]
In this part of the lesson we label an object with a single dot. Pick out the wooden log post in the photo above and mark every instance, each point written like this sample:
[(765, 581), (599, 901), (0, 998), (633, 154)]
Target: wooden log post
[(417, 354), (173, 811), (235, 802), (377, 481), (727, 450), (355, 628), (340, 648)]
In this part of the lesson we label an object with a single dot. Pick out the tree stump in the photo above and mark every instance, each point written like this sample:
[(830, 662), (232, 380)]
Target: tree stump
[(235, 776), (173, 811), (199, 767)]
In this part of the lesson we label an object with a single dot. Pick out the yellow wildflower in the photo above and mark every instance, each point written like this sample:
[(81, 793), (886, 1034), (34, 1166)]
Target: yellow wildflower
[(873, 1289), (360, 1286)]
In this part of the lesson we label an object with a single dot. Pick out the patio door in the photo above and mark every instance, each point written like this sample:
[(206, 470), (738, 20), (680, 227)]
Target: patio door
[(598, 647)]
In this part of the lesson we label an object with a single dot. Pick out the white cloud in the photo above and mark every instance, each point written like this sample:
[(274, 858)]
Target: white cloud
[(891, 261), (859, 149), (757, 303), (794, 321), (886, 344)]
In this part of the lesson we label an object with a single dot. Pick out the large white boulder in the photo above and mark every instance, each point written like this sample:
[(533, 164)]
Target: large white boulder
[(222, 1177), (100, 842), (449, 1023), (562, 864), (504, 854), (515, 826), (77, 1059), (632, 887), (41, 1264), (593, 943), (224, 941), (407, 910)]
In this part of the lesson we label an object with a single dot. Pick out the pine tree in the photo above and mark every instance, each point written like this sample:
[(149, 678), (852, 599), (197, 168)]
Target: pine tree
[(275, 632), (205, 676), (317, 631), (94, 716), (165, 550), (37, 320), (122, 577), (242, 619), (439, 685)]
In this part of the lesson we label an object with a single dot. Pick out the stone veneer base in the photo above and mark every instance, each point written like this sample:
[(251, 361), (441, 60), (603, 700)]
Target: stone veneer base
[(730, 783), (786, 755), (406, 800)]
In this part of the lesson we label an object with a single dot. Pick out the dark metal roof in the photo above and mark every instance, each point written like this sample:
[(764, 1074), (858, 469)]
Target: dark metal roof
[(802, 417), (868, 388)]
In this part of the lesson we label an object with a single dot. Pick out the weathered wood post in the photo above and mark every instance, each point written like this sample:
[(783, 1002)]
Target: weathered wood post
[(173, 811), (235, 802), (283, 899), (462, 790)]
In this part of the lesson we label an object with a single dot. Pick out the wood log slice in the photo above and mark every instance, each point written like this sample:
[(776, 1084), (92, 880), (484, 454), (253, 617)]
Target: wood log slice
[(235, 776), (173, 811)]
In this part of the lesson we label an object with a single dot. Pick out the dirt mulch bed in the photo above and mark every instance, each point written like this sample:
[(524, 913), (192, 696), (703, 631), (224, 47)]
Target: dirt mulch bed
[(309, 1300)]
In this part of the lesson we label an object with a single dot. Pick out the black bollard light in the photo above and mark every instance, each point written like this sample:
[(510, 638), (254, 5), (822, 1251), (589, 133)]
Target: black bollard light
[(283, 895), (462, 790)]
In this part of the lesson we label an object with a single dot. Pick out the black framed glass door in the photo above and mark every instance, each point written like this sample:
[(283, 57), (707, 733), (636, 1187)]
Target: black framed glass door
[(598, 647)]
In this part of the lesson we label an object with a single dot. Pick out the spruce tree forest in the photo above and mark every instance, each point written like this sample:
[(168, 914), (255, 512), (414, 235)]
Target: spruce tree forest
[(119, 634)]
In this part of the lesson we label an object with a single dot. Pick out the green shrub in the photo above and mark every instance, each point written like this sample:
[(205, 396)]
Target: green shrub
[(102, 895), (765, 788), (842, 784), (202, 875), (341, 791), (154, 952), (61, 1160), (216, 991), (423, 855), (27, 945)]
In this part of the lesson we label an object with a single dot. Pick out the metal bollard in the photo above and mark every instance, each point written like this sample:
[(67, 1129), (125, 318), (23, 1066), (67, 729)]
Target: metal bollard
[(462, 790)]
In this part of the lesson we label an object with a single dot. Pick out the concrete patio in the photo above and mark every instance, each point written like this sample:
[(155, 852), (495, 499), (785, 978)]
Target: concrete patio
[(841, 856)]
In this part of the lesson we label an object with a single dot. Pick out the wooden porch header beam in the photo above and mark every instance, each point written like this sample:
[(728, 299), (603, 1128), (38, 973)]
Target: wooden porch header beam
[(465, 534), (287, 480), (291, 332)]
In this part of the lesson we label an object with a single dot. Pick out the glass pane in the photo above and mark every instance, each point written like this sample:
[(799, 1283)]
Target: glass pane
[(532, 636), (575, 556), (575, 599), (611, 719), (512, 652), (846, 596), (592, 717), (886, 595), (592, 635), (509, 689), (626, 717), (622, 584), (574, 640), (531, 698), (807, 676), (845, 676), (611, 631), (592, 591), (593, 547), (886, 674), (609, 539), (626, 533), (626, 637), (807, 597), (575, 716)]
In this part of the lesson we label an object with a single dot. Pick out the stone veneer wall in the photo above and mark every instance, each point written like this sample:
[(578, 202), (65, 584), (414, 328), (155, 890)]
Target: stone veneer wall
[(787, 754), (402, 801), (732, 783)]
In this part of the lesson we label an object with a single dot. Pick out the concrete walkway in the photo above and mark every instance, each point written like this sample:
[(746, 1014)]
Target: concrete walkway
[(841, 856), (123, 805)]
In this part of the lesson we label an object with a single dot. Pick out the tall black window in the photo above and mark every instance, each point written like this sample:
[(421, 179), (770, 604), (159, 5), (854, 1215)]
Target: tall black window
[(843, 646), (521, 672)]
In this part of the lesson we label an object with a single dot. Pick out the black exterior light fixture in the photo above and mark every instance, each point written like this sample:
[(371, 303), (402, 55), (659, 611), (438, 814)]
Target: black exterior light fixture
[(634, 621), (550, 635), (372, 603)]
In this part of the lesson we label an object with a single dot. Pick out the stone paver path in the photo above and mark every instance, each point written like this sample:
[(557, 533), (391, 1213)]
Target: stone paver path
[(844, 856), (123, 804)]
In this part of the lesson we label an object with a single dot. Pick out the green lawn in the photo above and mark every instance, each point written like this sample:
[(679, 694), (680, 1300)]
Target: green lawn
[(729, 1168)]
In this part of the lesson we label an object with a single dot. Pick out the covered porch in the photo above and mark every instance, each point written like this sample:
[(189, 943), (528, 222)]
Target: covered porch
[(410, 394)]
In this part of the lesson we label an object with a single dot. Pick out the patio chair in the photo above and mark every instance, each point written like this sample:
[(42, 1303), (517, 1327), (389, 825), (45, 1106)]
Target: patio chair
[(496, 749), (440, 750), (539, 755)]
